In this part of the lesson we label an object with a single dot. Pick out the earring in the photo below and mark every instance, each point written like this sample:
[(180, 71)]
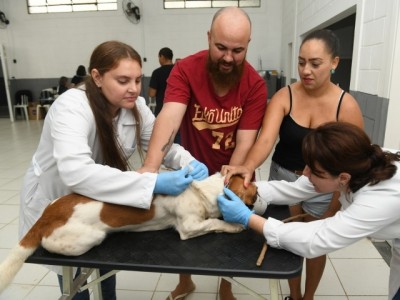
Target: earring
[(332, 71)]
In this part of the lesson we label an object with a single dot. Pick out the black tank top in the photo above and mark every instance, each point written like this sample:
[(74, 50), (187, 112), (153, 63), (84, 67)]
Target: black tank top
[(288, 150)]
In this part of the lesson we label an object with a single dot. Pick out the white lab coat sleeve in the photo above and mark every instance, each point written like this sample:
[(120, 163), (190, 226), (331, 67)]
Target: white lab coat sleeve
[(73, 133), (282, 192), (177, 157), (373, 210)]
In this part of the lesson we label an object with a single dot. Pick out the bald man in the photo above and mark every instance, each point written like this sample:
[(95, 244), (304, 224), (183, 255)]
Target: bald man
[(217, 100)]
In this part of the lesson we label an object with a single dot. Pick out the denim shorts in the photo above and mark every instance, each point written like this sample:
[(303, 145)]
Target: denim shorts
[(315, 206)]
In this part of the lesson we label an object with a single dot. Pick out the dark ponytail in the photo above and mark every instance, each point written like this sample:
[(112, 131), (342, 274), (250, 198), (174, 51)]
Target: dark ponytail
[(339, 147)]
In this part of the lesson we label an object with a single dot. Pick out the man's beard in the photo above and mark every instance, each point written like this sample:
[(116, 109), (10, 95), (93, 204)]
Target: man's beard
[(221, 79)]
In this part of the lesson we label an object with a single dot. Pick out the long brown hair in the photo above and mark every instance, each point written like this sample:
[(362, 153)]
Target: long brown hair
[(106, 57), (343, 147)]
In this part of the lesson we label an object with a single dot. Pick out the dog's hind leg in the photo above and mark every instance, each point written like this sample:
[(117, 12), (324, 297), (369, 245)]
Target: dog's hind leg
[(190, 228), (73, 239)]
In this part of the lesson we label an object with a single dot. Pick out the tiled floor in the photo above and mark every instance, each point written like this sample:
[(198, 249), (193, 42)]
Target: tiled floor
[(358, 272)]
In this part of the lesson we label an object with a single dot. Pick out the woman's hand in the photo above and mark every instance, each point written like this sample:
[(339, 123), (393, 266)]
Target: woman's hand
[(233, 209), (198, 170), (173, 182), (228, 171)]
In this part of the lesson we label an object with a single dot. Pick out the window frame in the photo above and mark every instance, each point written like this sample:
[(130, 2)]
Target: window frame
[(69, 6), (187, 4)]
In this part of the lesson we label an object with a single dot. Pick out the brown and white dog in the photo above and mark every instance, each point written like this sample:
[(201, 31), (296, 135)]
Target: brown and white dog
[(73, 224)]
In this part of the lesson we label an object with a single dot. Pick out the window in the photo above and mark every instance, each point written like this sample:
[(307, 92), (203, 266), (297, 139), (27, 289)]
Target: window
[(210, 3), (55, 6)]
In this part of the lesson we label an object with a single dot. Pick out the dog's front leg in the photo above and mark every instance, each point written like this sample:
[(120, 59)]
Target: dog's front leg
[(190, 228)]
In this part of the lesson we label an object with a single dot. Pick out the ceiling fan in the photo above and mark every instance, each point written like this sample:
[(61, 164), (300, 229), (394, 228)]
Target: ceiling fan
[(132, 11)]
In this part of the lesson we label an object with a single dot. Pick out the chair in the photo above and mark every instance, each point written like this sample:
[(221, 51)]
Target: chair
[(22, 99), (39, 108), (47, 94), (46, 97)]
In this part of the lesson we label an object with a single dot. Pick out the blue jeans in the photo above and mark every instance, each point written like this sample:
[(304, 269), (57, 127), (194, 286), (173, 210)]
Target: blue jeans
[(107, 287)]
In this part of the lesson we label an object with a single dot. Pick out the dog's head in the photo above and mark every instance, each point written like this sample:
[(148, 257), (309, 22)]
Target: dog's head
[(248, 195), (212, 186)]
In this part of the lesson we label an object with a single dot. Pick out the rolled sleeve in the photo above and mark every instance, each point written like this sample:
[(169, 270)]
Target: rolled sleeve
[(270, 233), (177, 157)]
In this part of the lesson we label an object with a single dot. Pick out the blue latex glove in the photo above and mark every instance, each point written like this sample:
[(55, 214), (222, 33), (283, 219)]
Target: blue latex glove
[(233, 209), (198, 171), (173, 183)]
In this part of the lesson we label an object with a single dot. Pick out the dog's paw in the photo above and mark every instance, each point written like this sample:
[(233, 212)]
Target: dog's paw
[(239, 227), (233, 228)]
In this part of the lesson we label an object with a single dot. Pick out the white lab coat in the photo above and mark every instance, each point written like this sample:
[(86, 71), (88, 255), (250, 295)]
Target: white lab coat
[(372, 211), (68, 159)]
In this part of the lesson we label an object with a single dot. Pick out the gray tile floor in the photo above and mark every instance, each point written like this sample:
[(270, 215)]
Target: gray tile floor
[(358, 272)]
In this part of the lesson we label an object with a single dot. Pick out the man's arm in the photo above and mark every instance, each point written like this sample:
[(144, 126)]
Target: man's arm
[(165, 128), (244, 141)]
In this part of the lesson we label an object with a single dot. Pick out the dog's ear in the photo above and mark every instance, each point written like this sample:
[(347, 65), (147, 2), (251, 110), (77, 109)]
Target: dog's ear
[(248, 195)]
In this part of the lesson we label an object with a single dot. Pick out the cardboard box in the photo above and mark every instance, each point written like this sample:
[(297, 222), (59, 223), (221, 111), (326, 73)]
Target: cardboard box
[(33, 111)]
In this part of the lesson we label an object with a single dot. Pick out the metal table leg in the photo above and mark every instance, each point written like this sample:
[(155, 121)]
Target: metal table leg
[(249, 291), (72, 286), (274, 288)]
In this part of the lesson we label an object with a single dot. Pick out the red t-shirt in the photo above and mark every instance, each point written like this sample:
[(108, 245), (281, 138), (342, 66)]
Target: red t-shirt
[(208, 129)]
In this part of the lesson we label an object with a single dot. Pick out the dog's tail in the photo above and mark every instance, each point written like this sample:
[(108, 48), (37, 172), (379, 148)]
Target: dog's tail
[(18, 255), (12, 264)]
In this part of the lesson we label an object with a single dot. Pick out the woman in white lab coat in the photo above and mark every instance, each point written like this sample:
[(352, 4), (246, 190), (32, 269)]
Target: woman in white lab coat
[(339, 157), (88, 136)]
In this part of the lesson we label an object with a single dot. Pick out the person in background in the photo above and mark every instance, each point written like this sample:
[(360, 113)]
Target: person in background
[(217, 100), (62, 85), (158, 81), (339, 158), (292, 113), (79, 76), (88, 136)]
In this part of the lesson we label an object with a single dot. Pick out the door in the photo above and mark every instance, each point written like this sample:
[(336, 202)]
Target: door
[(344, 29)]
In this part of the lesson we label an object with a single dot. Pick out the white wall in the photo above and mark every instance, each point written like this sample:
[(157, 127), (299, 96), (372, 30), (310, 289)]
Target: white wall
[(52, 45), (392, 135), (377, 32), (289, 32)]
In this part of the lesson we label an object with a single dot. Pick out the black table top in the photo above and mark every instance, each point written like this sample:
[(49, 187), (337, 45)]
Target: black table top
[(219, 254)]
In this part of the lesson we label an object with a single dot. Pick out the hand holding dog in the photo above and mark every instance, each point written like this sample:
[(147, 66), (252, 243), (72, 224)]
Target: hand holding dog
[(174, 182), (233, 209), (198, 171)]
